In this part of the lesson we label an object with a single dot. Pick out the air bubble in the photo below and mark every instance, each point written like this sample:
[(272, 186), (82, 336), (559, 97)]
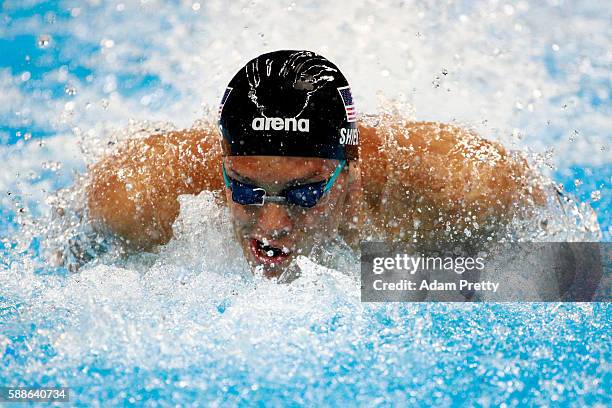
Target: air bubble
[(596, 195)]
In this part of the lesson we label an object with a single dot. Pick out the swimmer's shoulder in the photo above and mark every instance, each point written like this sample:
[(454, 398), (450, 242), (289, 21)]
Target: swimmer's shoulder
[(132, 191)]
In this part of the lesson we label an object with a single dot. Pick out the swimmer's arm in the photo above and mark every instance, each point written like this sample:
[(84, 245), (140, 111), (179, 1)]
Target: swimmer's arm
[(448, 184), (133, 192)]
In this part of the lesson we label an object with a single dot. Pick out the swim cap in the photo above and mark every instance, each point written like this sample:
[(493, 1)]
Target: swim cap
[(289, 103)]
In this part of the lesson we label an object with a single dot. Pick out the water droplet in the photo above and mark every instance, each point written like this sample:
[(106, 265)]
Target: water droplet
[(467, 232), (44, 41), (27, 136), (54, 166), (384, 73), (195, 6), (596, 195), (50, 17), (577, 182), (25, 76), (70, 90), (555, 47), (104, 103)]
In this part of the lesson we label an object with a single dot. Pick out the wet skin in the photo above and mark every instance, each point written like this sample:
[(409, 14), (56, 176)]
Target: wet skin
[(273, 234), (417, 182)]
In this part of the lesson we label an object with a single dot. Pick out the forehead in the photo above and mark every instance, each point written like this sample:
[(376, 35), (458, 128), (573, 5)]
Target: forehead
[(279, 169)]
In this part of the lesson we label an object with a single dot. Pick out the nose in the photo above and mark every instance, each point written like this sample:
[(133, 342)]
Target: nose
[(273, 219)]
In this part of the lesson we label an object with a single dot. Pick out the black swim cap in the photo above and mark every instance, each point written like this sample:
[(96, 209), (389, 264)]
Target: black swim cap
[(289, 103)]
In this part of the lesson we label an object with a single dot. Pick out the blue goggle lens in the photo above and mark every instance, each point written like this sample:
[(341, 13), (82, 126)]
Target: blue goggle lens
[(307, 195), (246, 194)]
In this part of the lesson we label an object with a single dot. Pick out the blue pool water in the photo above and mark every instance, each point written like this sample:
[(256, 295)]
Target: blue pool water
[(183, 327)]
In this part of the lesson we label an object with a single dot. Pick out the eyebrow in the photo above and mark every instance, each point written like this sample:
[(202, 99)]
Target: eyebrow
[(301, 180)]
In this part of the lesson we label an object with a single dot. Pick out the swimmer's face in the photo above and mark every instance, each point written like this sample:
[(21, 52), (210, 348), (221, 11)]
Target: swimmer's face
[(273, 234)]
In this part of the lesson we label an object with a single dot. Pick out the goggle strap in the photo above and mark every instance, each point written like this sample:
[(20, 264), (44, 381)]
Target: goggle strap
[(225, 178), (334, 176)]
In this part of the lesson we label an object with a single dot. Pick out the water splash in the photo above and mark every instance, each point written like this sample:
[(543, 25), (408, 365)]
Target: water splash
[(181, 327)]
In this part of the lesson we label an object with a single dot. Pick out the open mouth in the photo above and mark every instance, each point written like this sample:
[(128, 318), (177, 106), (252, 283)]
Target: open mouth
[(268, 254)]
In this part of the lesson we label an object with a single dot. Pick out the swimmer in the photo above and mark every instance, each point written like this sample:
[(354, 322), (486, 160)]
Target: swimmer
[(298, 168)]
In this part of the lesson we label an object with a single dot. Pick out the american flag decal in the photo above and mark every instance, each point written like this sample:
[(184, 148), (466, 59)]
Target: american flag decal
[(349, 107), (224, 99)]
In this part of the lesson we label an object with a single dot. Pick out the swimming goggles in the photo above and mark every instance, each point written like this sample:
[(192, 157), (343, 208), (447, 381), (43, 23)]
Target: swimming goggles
[(304, 195)]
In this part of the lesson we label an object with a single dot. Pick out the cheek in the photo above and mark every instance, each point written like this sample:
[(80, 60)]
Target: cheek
[(328, 215), (241, 216), (315, 216), (320, 217)]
